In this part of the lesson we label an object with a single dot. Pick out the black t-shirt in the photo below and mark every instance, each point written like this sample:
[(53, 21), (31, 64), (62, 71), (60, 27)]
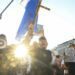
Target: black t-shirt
[(41, 62), (42, 55)]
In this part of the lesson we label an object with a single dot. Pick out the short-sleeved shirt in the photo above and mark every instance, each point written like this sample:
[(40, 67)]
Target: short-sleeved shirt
[(42, 55), (41, 62), (69, 55)]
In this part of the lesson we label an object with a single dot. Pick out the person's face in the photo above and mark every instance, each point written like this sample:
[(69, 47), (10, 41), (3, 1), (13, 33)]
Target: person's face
[(58, 61), (43, 43)]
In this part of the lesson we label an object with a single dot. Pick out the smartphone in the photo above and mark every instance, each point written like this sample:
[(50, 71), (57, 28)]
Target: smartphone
[(39, 28)]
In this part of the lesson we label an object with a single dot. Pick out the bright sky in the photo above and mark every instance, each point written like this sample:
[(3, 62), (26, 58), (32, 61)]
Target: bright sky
[(58, 23)]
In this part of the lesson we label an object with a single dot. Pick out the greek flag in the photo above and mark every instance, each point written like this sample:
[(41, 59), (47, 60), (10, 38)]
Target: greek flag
[(28, 17)]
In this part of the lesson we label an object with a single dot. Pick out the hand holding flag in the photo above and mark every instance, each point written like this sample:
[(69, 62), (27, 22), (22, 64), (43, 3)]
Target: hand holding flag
[(31, 29)]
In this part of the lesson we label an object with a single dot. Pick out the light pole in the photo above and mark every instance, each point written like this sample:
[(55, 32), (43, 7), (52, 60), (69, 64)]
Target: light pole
[(5, 9)]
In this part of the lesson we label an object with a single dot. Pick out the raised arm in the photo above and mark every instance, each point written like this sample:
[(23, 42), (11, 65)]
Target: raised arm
[(29, 35)]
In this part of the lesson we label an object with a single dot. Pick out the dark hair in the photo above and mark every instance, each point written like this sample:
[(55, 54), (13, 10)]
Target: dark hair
[(72, 45), (2, 36), (57, 56), (42, 38)]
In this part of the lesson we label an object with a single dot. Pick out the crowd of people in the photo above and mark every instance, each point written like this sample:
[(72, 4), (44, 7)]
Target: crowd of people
[(42, 62)]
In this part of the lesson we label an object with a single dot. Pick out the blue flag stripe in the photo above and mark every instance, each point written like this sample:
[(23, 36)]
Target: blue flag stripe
[(29, 16)]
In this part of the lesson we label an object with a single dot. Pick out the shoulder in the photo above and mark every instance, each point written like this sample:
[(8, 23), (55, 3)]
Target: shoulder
[(49, 51)]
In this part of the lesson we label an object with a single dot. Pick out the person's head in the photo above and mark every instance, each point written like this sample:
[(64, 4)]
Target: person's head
[(58, 60), (3, 41), (72, 45), (43, 42)]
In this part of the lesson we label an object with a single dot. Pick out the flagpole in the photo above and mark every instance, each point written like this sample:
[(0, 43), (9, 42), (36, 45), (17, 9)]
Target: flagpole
[(36, 14), (37, 10), (45, 7)]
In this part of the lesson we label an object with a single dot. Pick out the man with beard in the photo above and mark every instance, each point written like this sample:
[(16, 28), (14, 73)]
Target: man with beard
[(41, 59)]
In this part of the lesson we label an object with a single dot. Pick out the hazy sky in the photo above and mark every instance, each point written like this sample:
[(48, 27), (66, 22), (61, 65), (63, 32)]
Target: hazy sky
[(59, 23)]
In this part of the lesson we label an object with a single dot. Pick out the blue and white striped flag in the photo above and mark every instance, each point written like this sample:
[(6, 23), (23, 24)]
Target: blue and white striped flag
[(28, 17)]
